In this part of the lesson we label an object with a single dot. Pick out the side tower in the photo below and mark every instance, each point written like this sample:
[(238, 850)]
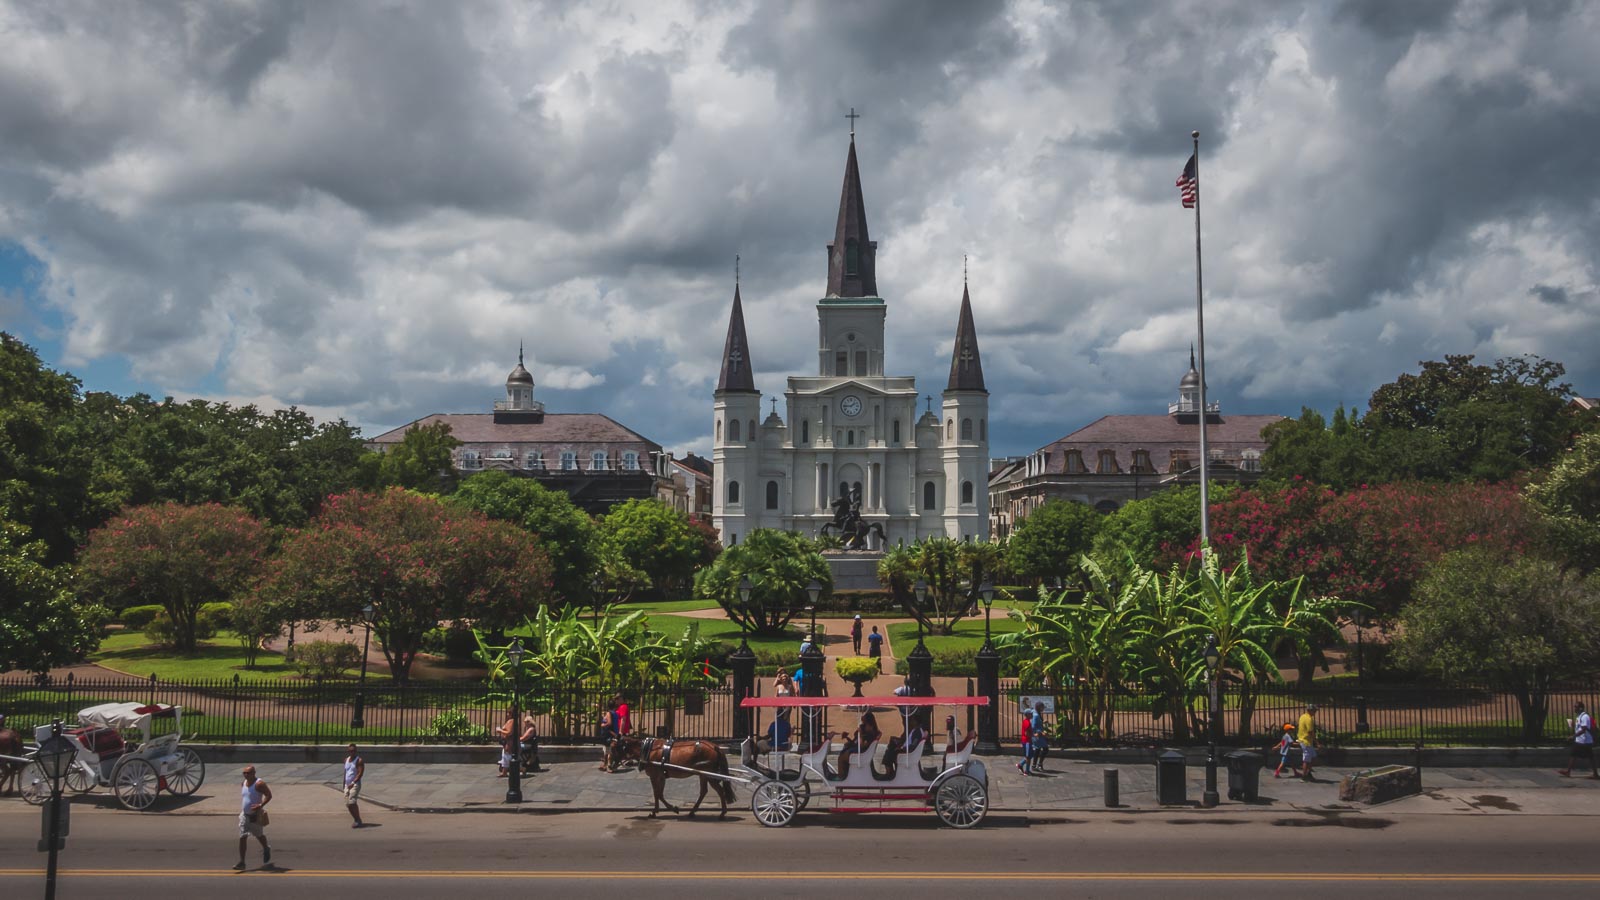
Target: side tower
[(735, 448), (964, 438)]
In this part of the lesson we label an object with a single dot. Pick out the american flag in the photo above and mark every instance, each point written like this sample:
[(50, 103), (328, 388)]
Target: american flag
[(1189, 185)]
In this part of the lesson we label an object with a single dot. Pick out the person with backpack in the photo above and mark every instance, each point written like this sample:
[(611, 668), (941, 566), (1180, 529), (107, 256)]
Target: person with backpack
[(1583, 735)]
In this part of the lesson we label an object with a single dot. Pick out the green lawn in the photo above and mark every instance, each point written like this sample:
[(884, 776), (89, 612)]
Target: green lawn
[(666, 606), (221, 657), (968, 636)]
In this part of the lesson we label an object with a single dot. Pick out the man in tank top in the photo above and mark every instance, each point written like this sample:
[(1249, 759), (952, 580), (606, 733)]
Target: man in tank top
[(354, 768), (254, 795)]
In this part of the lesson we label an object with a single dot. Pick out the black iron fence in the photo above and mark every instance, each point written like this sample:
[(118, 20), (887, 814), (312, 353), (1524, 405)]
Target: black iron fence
[(320, 712), (1440, 716)]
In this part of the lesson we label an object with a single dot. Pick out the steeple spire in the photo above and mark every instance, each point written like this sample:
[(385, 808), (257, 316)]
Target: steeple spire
[(966, 365), (852, 265), (736, 374)]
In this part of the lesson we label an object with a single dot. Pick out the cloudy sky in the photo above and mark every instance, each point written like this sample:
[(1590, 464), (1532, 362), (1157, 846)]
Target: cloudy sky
[(360, 208)]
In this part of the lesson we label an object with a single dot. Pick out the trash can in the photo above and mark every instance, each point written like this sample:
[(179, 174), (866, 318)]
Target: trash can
[(1244, 775), (1171, 778)]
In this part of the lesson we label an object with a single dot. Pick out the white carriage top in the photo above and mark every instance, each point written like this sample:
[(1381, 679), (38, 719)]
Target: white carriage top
[(123, 715)]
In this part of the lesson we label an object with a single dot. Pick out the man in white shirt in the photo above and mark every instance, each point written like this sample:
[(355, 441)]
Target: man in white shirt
[(1582, 741), (354, 768)]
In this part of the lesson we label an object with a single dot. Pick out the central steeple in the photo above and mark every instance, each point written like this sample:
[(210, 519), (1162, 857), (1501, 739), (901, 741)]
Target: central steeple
[(852, 263)]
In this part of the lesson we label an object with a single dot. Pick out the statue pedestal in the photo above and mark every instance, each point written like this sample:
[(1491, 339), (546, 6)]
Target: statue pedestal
[(854, 570)]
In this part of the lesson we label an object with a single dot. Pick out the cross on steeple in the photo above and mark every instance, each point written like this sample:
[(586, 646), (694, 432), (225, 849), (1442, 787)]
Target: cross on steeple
[(852, 116), (966, 355), (774, 401), (734, 358), (736, 269)]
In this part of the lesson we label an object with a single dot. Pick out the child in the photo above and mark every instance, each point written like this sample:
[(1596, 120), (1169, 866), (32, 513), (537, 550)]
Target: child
[(1285, 744)]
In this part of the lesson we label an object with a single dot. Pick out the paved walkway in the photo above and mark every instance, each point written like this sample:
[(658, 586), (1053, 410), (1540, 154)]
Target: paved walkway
[(1067, 786)]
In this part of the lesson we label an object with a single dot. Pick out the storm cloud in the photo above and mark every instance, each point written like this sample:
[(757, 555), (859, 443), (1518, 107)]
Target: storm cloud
[(362, 208)]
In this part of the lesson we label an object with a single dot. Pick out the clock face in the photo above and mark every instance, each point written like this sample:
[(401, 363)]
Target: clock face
[(850, 405)]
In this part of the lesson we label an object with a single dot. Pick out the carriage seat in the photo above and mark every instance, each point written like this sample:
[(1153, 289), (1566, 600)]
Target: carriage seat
[(105, 743), (960, 752)]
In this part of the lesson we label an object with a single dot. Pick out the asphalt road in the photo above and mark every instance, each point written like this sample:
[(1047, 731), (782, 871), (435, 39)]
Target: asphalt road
[(118, 854)]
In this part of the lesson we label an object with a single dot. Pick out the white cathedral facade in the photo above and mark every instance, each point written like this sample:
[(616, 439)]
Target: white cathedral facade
[(852, 431)]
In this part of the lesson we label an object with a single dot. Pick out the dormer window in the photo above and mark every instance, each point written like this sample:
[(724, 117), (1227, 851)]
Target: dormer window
[(1074, 463), (533, 460), (630, 461), (597, 461), (471, 460), (1108, 463), (1250, 460), (1141, 462), (569, 461)]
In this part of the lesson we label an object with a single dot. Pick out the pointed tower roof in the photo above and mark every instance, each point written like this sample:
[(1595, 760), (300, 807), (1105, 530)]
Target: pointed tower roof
[(1191, 378), (736, 373), (852, 268), (966, 365)]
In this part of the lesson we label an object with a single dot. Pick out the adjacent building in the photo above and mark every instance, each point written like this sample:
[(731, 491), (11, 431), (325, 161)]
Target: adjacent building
[(1116, 459), (594, 459), (851, 431)]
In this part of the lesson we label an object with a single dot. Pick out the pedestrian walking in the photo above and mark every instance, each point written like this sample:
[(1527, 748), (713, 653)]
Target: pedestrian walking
[(875, 647), (1025, 765), (1040, 736), (507, 733), (1583, 735), (783, 685), (805, 645), (254, 795), (1286, 745), (528, 744), (855, 634), (1306, 734), (354, 768)]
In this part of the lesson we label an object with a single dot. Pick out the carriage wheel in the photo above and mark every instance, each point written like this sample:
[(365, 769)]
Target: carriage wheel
[(773, 803), (796, 780), (188, 779), (135, 783), (80, 780), (35, 785), (961, 801)]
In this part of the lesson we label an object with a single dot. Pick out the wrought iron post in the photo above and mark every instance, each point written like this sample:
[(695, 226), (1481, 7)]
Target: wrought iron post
[(1361, 678), (988, 664)]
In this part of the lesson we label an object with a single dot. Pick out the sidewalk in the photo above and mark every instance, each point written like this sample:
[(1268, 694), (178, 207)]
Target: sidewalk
[(1067, 786)]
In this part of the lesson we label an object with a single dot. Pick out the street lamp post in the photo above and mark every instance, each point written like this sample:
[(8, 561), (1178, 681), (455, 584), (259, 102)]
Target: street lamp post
[(56, 756), (1361, 677), (920, 591), (745, 590), (742, 662), (812, 662), (514, 778), (988, 665), (358, 719), (1213, 657)]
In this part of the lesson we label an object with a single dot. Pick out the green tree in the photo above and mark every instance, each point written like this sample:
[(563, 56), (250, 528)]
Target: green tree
[(421, 461), (779, 564), (416, 561), (951, 571), (41, 481), (1569, 494), (1523, 626), (1046, 545), (1157, 530), (657, 545), (176, 556), (566, 532), (1308, 448), (42, 625)]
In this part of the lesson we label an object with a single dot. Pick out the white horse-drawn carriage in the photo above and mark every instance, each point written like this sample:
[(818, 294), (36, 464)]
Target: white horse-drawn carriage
[(135, 771), (916, 777)]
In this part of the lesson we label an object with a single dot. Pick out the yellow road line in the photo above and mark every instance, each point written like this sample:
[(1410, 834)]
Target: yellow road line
[(1424, 877)]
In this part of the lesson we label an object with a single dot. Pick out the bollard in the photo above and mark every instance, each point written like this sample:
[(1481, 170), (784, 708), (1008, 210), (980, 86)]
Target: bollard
[(1112, 798)]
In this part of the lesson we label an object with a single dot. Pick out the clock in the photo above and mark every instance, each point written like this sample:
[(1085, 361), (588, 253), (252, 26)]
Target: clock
[(850, 405)]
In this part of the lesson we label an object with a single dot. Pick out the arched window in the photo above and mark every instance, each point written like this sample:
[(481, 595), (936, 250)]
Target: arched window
[(772, 495), (966, 429), (1107, 463), (733, 429), (569, 461), (966, 493), (630, 461), (930, 496), (597, 461), (949, 429), (805, 431), (897, 431), (534, 460), (719, 431), (733, 493), (752, 430), (850, 438), (471, 460)]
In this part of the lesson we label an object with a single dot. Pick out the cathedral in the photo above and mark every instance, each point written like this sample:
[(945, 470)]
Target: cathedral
[(852, 441)]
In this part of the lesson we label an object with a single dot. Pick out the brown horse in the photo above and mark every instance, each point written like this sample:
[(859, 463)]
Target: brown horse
[(10, 745), (662, 759)]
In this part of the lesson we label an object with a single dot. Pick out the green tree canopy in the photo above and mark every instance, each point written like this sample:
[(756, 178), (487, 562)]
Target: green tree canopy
[(779, 564), (42, 625), (1159, 529), (1569, 493), (1046, 545), (420, 462), (174, 556), (416, 561), (41, 480), (656, 543), (952, 572), (1522, 626), (566, 532)]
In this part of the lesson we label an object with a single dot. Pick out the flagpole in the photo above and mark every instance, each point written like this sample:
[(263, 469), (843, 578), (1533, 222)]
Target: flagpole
[(1200, 326)]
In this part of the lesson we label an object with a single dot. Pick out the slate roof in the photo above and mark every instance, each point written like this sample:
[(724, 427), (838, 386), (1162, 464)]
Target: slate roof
[(554, 428), (852, 226), (1161, 435), (737, 374), (966, 364)]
